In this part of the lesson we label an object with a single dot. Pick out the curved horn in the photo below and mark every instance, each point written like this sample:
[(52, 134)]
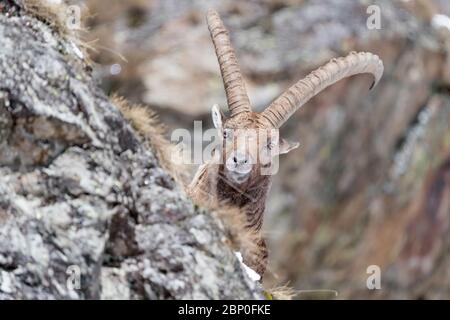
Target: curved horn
[(232, 79), (355, 63)]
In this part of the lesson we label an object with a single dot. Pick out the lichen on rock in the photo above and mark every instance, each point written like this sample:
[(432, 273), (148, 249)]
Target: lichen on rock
[(79, 187)]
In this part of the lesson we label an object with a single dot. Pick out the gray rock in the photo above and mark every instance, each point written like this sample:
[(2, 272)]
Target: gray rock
[(81, 192)]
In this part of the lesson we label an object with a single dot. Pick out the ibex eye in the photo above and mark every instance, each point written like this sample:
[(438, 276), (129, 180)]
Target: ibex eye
[(226, 133)]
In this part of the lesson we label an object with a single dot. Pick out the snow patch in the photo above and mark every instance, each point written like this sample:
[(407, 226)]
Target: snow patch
[(441, 21), (77, 50), (250, 272)]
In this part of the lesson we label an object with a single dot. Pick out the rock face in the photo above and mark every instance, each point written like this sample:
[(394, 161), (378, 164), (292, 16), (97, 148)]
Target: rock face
[(370, 183), (82, 196)]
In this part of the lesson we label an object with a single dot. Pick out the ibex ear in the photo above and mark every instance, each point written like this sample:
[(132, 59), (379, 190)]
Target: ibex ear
[(286, 146), (217, 116)]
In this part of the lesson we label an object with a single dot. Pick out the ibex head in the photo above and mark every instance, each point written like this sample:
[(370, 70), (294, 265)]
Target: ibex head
[(250, 139), (248, 145)]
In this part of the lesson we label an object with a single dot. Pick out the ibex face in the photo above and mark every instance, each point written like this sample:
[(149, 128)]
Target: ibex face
[(250, 139), (248, 146)]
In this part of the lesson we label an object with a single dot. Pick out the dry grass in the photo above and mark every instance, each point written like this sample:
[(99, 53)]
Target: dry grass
[(143, 120), (56, 15), (281, 293), (50, 13), (146, 123)]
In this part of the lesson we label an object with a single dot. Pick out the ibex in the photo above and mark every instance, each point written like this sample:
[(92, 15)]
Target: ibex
[(237, 177)]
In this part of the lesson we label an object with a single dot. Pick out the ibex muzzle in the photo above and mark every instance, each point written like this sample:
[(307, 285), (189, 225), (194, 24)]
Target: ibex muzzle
[(249, 149)]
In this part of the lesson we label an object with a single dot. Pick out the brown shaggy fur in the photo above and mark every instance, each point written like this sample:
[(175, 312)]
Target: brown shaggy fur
[(242, 239)]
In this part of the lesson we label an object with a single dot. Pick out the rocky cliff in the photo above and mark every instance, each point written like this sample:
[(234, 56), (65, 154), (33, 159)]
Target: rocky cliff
[(86, 211)]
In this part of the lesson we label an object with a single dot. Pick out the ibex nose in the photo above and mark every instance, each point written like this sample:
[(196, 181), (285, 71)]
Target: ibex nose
[(239, 158), (239, 162)]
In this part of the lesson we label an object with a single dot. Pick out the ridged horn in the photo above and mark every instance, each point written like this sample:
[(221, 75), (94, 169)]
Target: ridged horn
[(237, 98), (296, 96)]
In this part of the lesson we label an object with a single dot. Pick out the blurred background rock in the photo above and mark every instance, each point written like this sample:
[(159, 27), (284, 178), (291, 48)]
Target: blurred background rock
[(370, 184)]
